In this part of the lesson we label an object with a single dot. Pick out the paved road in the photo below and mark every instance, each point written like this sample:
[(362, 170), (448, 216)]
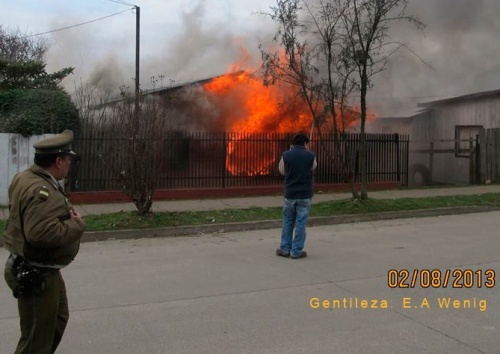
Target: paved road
[(229, 293)]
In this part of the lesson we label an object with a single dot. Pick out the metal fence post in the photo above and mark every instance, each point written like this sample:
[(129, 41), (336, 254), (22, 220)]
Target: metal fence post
[(224, 152)]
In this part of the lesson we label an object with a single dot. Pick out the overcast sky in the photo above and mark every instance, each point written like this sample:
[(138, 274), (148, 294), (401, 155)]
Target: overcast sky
[(191, 40), (181, 40)]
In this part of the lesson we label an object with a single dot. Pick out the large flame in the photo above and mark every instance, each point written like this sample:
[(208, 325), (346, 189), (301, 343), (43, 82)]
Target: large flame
[(255, 108), (252, 107)]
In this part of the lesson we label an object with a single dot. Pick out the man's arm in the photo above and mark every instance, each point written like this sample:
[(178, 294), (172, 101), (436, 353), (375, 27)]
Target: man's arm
[(315, 164), (45, 223), (281, 166)]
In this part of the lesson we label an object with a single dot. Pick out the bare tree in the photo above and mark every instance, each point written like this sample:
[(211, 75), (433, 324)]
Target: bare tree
[(295, 65), (311, 59), (367, 46), (332, 50), (18, 47), (132, 142)]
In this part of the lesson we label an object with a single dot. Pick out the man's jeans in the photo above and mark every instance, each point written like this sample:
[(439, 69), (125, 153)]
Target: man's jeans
[(295, 215)]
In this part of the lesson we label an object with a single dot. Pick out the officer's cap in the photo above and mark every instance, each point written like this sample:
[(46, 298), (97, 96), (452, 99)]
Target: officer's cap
[(61, 143)]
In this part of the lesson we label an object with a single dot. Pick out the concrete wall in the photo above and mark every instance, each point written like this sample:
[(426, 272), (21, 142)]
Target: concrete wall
[(20, 154)]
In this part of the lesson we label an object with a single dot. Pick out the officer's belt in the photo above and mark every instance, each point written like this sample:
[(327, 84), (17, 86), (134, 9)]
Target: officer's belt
[(47, 269)]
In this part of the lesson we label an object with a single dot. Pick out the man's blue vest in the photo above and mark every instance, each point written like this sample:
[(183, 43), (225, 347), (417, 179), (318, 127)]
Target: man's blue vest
[(298, 176)]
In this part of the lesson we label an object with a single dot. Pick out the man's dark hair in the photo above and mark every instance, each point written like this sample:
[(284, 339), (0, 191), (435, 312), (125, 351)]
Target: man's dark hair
[(47, 160), (300, 139)]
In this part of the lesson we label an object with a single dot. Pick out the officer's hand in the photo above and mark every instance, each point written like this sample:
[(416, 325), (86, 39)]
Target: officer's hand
[(75, 215)]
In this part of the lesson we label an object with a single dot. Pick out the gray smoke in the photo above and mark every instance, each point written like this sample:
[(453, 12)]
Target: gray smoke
[(107, 75), (459, 49), (201, 49)]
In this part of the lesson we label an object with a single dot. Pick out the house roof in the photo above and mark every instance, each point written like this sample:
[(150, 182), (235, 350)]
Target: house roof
[(176, 86), (158, 91), (460, 98), (167, 89), (162, 90)]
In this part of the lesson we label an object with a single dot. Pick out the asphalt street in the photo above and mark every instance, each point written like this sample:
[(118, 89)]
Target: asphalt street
[(230, 293)]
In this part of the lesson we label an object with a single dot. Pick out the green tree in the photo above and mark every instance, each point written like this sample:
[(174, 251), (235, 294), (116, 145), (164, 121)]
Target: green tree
[(36, 111), (31, 100), (30, 75)]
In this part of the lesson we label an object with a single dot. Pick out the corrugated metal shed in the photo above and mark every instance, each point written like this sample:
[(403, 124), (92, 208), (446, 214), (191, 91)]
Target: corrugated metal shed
[(448, 124)]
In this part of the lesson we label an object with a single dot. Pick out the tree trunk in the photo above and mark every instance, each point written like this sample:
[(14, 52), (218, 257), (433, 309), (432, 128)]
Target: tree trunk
[(143, 201)]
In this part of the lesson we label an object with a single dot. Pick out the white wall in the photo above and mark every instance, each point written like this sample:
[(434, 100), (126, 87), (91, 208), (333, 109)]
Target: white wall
[(19, 153)]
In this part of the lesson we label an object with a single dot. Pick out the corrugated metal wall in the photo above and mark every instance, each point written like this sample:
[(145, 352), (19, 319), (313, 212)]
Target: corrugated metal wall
[(438, 125)]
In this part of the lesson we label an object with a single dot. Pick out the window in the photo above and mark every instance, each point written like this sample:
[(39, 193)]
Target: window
[(463, 136)]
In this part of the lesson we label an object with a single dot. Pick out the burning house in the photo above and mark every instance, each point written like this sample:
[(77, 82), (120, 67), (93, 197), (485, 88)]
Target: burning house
[(229, 132)]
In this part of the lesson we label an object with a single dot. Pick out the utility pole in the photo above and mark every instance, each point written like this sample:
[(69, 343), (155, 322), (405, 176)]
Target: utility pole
[(137, 60), (137, 46)]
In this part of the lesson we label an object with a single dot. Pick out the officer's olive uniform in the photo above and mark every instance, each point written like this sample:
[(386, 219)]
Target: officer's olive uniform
[(40, 230)]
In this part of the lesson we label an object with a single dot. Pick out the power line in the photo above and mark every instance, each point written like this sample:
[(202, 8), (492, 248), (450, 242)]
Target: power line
[(79, 24), (121, 2)]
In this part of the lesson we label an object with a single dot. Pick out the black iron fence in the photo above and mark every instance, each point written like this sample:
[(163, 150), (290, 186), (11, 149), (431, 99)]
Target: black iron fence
[(223, 160)]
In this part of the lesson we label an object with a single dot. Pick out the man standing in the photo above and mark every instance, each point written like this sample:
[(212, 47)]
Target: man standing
[(297, 165), (42, 235)]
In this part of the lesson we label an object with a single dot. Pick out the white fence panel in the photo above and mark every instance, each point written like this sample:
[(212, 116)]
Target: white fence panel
[(20, 154)]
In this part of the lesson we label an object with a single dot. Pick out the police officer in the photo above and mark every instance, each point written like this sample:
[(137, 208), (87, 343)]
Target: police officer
[(42, 234)]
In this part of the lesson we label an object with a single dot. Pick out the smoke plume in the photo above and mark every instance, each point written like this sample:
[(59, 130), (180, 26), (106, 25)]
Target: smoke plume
[(456, 54)]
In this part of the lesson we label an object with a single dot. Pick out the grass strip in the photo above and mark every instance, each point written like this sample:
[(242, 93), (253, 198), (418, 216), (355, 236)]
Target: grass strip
[(130, 220)]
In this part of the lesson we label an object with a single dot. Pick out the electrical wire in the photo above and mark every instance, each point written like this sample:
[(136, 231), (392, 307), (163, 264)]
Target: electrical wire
[(121, 2), (79, 24)]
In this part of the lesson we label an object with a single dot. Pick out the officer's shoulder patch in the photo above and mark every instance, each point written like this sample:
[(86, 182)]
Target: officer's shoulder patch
[(43, 193)]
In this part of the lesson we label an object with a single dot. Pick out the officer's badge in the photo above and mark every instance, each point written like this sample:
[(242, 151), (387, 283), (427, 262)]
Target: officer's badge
[(43, 193)]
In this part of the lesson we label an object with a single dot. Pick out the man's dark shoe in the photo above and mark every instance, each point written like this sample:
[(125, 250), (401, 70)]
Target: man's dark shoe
[(280, 253), (303, 254)]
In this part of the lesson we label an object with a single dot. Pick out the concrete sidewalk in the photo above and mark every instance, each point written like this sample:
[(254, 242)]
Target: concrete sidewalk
[(277, 200)]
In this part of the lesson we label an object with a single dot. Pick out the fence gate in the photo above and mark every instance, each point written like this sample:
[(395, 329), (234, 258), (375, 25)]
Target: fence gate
[(489, 151)]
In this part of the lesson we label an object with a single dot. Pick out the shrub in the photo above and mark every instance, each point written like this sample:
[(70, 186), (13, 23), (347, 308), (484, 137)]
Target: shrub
[(36, 111)]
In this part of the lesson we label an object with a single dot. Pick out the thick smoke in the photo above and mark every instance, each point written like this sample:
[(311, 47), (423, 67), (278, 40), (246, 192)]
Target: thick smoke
[(458, 48), (456, 54), (106, 75), (200, 49)]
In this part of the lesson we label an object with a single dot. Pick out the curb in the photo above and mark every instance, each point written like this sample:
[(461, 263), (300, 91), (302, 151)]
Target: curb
[(198, 230)]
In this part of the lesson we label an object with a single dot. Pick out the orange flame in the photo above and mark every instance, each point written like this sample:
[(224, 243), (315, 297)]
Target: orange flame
[(256, 108), (252, 107)]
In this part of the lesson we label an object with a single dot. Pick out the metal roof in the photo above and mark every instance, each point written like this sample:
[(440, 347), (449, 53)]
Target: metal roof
[(483, 94)]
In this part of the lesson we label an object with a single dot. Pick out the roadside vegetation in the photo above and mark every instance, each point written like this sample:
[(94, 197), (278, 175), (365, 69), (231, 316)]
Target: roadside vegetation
[(131, 220)]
